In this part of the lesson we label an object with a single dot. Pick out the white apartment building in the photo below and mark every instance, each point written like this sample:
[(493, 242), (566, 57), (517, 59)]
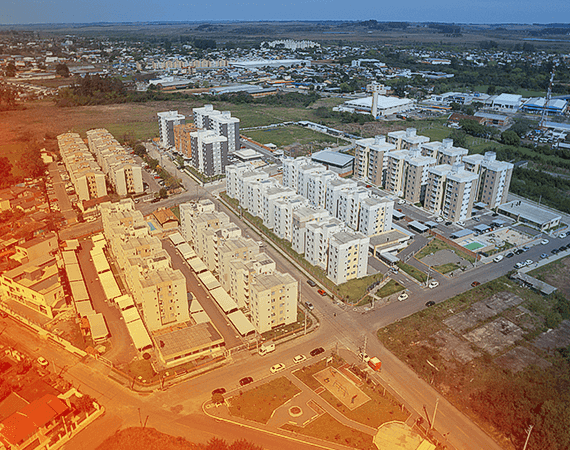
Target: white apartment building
[(375, 216), (395, 171), (166, 122), (334, 189), (273, 300), (291, 171), (242, 274), (348, 256), (444, 152), (283, 215), (234, 172), (244, 181), (188, 211), (222, 123), (254, 191), (369, 160), (349, 205), (317, 236), (495, 180), (230, 250), (306, 173), (415, 176), (121, 169), (301, 217), (406, 140), (316, 187), (269, 200)]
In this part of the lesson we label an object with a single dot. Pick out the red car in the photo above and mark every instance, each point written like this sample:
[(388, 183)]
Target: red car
[(322, 292)]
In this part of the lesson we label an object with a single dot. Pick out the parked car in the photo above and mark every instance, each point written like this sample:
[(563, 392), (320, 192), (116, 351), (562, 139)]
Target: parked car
[(309, 305), (311, 283), (317, 351), (42, 361), (498, 258), (519, 265), (475, 284), (403, 296), (430, 303), (245, 381), (322, 292), (562, 235), (299, 359), (219, 391), (509, 255), (543, 256), (433, 284), (364, 357), (439, 219), (544, 241), (528, 262), (277, 368), (401, 202), (448, 223), (3, 314)]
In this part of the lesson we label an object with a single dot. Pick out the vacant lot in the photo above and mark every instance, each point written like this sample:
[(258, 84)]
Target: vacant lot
[(284, 136)]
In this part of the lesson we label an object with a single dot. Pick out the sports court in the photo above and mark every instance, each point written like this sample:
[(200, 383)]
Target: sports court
[(341, 387)]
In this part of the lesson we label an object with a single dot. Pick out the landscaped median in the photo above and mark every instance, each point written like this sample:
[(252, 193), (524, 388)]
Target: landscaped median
[(413, 272)]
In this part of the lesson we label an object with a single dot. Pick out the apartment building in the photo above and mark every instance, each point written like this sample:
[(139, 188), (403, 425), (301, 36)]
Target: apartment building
[(349, 205), (291, 171), (167, 120), (237, 248), (444, 152), (269, 199), (395, 171), (273, 300), (209, 152), (348, 256), (157, 288), (254, 191), (495, 180), (122, 171), (369, 159), (182, 141), (407, 140), (245, 179), (84, 172), (316, 187), (188, 211), (415, 176), (283, 215), (317, 237), (307, 173), (222, 123), (242, 272), (335, 188), (375, 216), (301, 217), (35, 284), (451, 191)]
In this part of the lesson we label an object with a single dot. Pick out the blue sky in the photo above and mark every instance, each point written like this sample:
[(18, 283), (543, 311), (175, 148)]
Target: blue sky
[(474, 11)]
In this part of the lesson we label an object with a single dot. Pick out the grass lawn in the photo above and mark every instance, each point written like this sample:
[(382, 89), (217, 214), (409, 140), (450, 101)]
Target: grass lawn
[(375, 412), (445, 268), (391, 287), (13, 152), (139, 130), (356, 289), (283, 136), (412, 271), (176, 211), (437, 244), (259, 403), (329, 429), (142, 368)]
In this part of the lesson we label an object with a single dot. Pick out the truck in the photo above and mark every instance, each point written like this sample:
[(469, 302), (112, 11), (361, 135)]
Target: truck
[(266, 348), (375, 364)]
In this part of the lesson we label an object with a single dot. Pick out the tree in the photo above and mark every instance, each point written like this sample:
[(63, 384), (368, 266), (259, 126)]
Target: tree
[(5, 168), (509, 137), (163, 193), (62, 70), (455, 106), (10, 70), (140, 150), (491, 89), (459, 138)]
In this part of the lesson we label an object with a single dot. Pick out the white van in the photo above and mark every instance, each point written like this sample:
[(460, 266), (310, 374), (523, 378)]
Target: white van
[(266, 348)]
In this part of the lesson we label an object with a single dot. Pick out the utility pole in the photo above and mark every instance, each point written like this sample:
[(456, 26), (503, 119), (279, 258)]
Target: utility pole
[(529, 429), (434, 412)]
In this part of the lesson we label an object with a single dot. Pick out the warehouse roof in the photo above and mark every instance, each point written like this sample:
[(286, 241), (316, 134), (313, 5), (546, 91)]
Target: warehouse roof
[(336, 159)]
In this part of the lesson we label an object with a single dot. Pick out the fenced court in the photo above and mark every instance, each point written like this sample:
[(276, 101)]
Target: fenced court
[(341, 387)]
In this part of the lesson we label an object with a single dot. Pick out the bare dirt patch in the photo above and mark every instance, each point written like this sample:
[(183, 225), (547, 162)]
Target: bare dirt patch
[(519, 358)]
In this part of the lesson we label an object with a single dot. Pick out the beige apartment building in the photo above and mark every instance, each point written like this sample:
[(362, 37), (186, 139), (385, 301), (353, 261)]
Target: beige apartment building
[(182, 141), (273, 301), (406, 139), (242, 273), (415, 176), (395, 171), (369, 159), (348, 256)]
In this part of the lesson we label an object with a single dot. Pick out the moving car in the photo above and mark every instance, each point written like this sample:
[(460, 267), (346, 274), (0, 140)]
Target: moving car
[(245, 381), (219, 391), (544, 241), (475, 284), (317, 351), (562, 235), (401, 202), (498, 258), (309, 305), (299, 359), (311, 283), (543, 256), (277, 368), (364, 357), (322, 292), (403, 296), (430, 303), (433, 284)]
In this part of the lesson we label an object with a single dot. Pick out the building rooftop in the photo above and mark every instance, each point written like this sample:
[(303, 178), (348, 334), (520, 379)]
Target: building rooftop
[(336, 159)]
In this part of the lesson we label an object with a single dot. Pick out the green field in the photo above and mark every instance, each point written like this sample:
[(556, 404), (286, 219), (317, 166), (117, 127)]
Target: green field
[(138, 130), (283, 136)]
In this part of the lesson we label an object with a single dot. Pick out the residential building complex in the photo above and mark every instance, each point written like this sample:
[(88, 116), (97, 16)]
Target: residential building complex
[(209, 152), (157, 289), (182, 139), (122, 171), (87, 177), (222, 123)]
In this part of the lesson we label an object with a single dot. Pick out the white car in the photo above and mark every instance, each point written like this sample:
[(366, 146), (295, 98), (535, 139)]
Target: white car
[(562, 235), (299, 359), (364, 357), (519, 265), (544, 241), (403, 296), (433, 284), (461, 224), (498, 258), (42, 361), (439, 219), (277, 368), (528, 262), (401, 202)]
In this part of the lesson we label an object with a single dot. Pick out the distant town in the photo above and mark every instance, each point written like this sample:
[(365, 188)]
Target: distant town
[(330, 244)]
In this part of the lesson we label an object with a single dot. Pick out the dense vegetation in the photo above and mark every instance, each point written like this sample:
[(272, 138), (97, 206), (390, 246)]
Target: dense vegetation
[(539, 186)]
